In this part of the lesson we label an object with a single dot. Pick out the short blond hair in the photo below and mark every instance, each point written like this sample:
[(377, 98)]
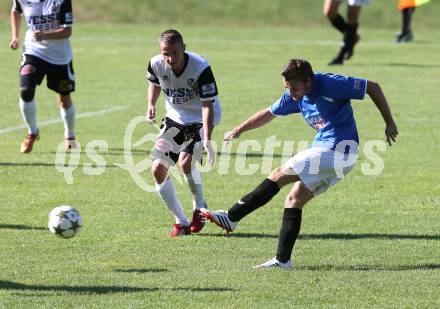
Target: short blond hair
[(171, 36)]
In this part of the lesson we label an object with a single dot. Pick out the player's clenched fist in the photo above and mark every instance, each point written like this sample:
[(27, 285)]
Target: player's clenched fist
[(14, 44)]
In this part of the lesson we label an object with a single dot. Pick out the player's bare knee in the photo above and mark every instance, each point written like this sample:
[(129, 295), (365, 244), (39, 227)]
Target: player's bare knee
[(292, 201), (27, 69), (276, 174), (27, 94), (64, 102), (298, 196), (159, 171), (185, 163)]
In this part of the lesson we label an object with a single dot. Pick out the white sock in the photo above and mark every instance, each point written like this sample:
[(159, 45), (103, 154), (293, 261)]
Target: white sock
[(68, 117), (194, 181), (29, 113), (167, 193)]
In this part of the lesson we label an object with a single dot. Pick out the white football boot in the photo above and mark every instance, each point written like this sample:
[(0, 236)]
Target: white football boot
[(219, 217), (274, 263)]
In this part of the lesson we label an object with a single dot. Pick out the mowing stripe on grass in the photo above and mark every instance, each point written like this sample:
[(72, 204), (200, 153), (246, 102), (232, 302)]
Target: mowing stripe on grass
[(57, 120)]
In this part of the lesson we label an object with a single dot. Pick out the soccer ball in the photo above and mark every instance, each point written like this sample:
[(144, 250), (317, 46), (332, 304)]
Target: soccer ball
[(65, 221)]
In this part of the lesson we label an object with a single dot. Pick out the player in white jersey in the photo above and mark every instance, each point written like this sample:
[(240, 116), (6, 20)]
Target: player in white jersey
[(192, 110), (46, 51), (348, 28)]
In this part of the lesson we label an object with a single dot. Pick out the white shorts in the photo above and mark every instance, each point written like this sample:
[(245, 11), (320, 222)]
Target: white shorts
[(357, 2), (319, 168)]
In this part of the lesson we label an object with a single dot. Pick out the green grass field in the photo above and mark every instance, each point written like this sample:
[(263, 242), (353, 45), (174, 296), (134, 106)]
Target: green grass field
[(371, 241)]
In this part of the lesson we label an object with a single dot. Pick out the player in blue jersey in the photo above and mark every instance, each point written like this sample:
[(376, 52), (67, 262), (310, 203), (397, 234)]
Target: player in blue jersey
[(323, 99)]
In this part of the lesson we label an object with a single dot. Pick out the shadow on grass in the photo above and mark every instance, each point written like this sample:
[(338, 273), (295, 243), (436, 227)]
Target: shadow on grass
[(204, 289), (43, 164), (21, 227), (9, 285), (329, 236), (368, 267), (353, 236), (239, 235), (142, 270)]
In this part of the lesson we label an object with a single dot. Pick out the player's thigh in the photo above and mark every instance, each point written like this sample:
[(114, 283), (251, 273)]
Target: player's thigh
[(32, 72), (358, 2), (353, 13), (330, 8), (283, 175), (168, 142), (61, 78), (186, 162)]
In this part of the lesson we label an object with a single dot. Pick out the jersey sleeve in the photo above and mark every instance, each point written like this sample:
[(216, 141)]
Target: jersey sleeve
[(284, 106), (343, 87), (207, 85), (66, 14), (16, 6), (151, 76)]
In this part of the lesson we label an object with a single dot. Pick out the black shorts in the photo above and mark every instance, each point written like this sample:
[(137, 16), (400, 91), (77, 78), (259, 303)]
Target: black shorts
[(175, 138), (60, 78)]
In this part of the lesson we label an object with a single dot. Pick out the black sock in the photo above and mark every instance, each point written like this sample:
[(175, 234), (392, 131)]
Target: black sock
[(339, 23), (406, 20), (288, 233), (257, 198), (350, 36)]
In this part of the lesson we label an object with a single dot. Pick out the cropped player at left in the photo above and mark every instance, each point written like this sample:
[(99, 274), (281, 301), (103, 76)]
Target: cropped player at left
[(46, 52)]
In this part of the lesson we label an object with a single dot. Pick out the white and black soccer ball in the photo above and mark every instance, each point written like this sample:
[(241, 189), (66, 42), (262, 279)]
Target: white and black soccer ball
[(65, 221)]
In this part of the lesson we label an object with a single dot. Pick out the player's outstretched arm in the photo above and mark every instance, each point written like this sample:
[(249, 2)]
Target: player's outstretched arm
[(15, 29), (376, 94), (257, 120)]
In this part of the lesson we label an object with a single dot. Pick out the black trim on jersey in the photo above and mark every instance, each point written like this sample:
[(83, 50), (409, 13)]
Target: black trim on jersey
[(151, 76), (66, 9), (17, 7), (186, 56), (207, 84)]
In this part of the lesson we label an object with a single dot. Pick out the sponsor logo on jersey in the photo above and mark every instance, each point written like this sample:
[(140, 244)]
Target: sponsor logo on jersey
[(43, 19), (165, 77), (316, 122), (180, 95), (208, 89)]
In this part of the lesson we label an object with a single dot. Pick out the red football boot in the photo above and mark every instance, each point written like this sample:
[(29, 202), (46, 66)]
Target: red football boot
[(180, 230), (198, 222)]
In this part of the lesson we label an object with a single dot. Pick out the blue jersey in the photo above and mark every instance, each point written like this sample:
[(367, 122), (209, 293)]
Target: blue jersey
[(327, 108)]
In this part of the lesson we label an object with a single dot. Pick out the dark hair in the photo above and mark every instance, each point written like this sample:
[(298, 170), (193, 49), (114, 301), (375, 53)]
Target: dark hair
[(297, 70), (171, 36)]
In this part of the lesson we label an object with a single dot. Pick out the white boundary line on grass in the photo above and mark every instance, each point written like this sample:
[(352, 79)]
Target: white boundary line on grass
[(57, 120)]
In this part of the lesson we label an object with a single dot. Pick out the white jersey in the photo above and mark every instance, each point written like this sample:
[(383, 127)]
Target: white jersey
[(46, 15), (185, 93)]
